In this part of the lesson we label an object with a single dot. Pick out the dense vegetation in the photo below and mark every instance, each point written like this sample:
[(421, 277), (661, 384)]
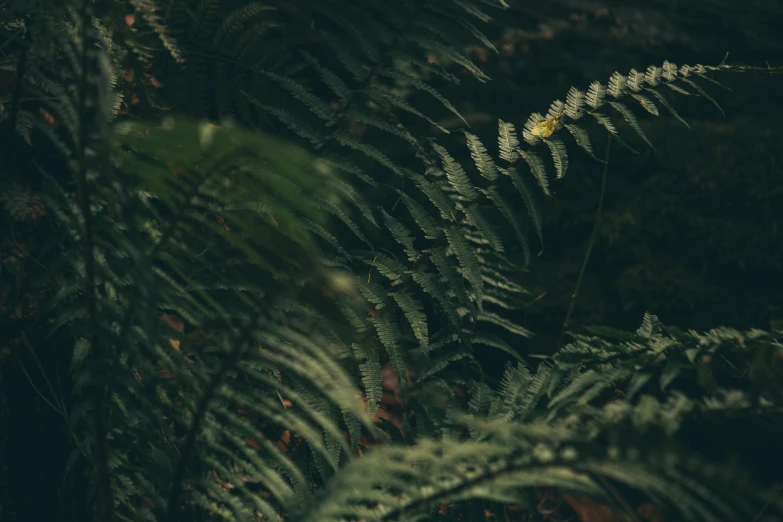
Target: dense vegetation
[(268, 261)]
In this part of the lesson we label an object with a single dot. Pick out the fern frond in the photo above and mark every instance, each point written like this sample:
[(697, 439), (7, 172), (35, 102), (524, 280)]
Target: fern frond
[(401, 234), (371, 375), (508, 143), (483, 226), (375, 294), (452, 54), (148, 10), (418, 84), (493, 318), (423, 218), (631, 119), (635, 85), (268, 237), (427, 281), (456, 174), (559, 155), (437, 196), (413, 311), (512, 219), (449, 272), (397, 482), (467, 260), (582, 139), (390, 336)]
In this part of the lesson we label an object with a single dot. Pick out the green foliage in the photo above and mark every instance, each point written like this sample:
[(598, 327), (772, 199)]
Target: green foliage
[(656, 81), (344, 77), (226, 294), (398, 483)]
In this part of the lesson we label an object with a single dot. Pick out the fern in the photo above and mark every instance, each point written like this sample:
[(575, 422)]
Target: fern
[(680, 80), (205, 219), (327, 101), (241, 237), (413, 311), (506, 459)]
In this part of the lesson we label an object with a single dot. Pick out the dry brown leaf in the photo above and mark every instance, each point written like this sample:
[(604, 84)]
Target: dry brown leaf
[(253, 444), (285, 440), (174, 321), (589, 510)]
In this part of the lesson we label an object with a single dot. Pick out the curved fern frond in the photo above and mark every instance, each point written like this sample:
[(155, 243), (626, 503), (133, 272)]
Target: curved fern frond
[(396, 483), (635, 85), (413, 311)]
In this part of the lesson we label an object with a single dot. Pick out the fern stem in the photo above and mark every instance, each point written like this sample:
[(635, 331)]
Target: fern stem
[(590, 244), (105, 495), (774, 494), (245, 339)]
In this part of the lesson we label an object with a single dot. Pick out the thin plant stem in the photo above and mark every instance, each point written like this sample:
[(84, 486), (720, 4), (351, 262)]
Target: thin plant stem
[(590, 244), (59, 400), (35, 388)]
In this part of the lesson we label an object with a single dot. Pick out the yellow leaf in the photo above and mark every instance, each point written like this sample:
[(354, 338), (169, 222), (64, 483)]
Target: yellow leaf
[(545, 128)]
